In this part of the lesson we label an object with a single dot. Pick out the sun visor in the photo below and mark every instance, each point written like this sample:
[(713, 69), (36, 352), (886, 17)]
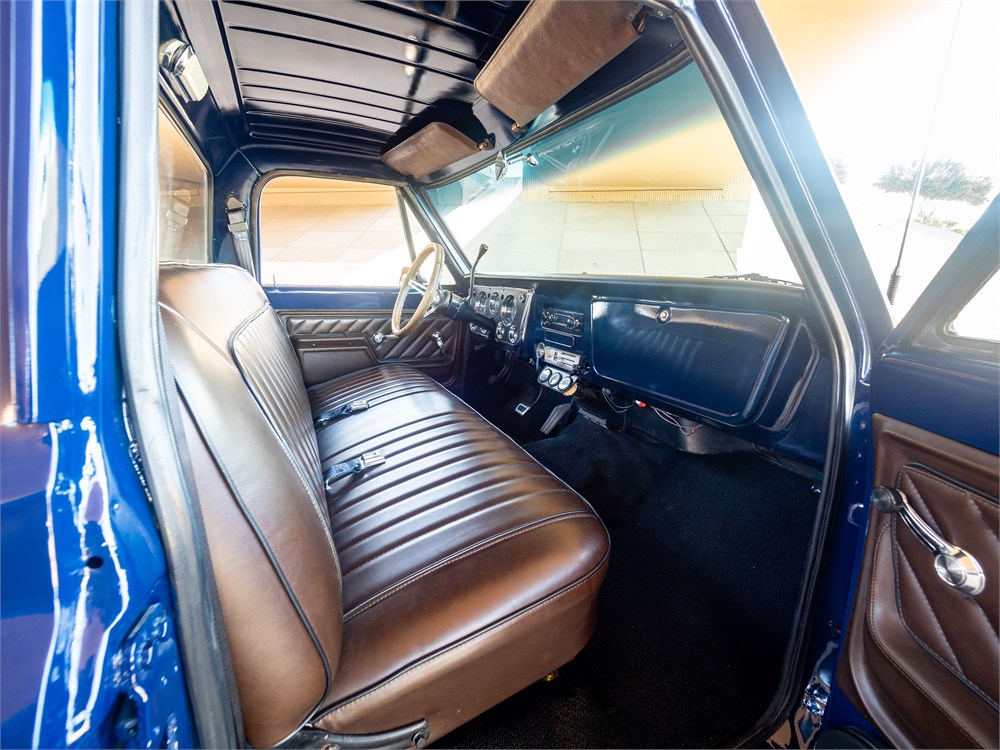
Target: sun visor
[(552, 49), (431, 148)]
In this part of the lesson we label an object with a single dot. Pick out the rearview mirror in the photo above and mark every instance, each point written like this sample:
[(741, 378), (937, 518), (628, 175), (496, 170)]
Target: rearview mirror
[(500, 167)]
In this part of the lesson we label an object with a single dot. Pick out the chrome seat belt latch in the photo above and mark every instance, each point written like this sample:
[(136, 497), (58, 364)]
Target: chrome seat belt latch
[(355, 466)]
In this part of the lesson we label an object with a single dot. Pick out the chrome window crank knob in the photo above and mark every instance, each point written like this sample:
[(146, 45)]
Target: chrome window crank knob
[(954, 565)]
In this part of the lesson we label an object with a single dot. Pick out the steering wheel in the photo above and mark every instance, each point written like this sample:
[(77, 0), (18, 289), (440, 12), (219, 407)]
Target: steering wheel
[(430, 290)]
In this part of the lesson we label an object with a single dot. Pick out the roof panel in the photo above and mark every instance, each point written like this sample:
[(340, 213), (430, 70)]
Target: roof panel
[(353, 77), (341, 20), (348, 91)]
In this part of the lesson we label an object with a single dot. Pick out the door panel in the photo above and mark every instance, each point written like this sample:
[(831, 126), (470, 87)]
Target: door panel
[(334, 343), (923, 658)]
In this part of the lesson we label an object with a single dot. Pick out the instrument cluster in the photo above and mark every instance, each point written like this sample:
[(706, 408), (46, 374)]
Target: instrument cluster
[(507, 306)]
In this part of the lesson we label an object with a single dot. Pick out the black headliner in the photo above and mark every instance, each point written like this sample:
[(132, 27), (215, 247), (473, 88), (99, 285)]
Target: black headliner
[(350, 78)]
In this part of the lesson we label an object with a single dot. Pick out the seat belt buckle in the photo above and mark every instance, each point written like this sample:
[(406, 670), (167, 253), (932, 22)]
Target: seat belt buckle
[(332, 416), (359, 405), (354, 466), (372, 458)]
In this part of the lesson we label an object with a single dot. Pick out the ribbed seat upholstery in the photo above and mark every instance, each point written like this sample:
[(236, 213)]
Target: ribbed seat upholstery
[(430, 587), (459, 524)]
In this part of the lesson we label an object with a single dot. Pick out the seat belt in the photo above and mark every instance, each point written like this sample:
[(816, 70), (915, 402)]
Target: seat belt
[(176, 220), (354, 466), (343, 411), (236, 214)]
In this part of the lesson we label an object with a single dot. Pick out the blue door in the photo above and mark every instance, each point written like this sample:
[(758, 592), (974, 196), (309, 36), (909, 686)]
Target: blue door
[(921, 657)]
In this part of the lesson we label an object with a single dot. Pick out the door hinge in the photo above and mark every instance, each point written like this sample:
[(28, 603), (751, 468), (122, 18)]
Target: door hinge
[(800, 730), (150, 685)]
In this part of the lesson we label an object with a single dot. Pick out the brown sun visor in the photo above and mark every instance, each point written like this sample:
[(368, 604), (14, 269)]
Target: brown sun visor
[(432, 147), (553, 48)]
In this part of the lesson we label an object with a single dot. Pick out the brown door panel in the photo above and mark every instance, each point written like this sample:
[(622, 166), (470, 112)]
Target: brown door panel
[(923, 659), (334, 343)]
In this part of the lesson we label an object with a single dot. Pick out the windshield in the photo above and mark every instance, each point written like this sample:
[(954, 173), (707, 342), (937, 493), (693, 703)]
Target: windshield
[(652, 186)]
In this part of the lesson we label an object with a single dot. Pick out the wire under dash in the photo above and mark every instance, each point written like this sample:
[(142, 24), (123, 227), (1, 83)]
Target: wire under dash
[(616, 408)]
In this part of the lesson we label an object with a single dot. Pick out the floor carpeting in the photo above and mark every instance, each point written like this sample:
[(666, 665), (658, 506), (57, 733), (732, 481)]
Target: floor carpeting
[(706, 562)]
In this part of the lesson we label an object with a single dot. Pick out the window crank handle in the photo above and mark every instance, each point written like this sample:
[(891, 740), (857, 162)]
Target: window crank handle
[(440, 342), (954, 565)]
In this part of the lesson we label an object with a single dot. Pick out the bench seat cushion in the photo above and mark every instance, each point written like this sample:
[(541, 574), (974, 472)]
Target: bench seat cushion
[(468, 570)]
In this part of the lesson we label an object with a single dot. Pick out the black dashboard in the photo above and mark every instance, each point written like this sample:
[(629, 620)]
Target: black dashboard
[(738, 356)]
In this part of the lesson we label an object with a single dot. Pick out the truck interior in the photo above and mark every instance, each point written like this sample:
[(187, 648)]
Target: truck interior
[(506, 409)]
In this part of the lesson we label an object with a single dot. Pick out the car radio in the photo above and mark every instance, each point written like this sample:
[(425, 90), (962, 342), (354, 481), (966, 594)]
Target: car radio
[(563, 321)]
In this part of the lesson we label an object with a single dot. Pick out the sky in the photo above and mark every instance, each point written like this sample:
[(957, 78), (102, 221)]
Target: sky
[(883, 80), (870, 91)]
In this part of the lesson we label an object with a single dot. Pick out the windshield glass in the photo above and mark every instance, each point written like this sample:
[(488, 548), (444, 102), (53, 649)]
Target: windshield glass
[(652, 186)]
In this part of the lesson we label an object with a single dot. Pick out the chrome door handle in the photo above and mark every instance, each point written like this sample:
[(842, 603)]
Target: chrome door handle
[(954, 565)]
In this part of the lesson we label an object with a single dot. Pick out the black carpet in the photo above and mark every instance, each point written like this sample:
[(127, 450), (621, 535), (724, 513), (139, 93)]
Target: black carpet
[(694, 617)]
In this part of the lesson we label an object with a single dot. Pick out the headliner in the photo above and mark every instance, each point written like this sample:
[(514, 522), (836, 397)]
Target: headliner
[(351, 78)]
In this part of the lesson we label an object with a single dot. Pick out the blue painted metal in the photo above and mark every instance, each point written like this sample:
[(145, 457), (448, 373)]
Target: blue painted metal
[(147, 680), (335, 298), (82, 559), (952, 396), (844, 547)]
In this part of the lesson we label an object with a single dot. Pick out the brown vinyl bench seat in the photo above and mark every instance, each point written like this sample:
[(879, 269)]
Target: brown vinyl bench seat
[(431, 586)]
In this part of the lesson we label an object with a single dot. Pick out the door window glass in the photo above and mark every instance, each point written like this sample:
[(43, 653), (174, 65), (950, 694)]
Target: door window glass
[(324, 232), (980, 318), (895, 90), (183, 197)]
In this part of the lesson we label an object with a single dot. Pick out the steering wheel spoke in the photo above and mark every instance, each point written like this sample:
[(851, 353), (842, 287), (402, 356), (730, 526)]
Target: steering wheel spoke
[(432, 307), (428, 289)]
